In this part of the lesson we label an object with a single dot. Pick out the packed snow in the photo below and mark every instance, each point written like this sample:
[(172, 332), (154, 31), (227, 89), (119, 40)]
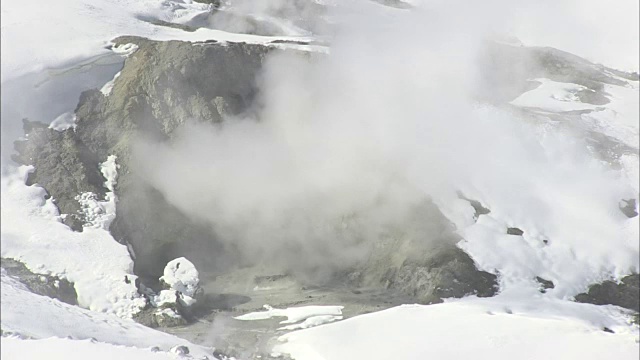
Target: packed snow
[(470, 328), (181, 275), (182, 278), (33, 316), (97, 265), (57, 348)]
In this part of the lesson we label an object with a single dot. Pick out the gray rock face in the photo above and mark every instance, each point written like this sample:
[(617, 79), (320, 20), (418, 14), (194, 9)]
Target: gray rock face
[(165, 85), (422, 261), (625, 294), (162, 86), (628, 208), (545, 284), (46, 285), (65, 167)]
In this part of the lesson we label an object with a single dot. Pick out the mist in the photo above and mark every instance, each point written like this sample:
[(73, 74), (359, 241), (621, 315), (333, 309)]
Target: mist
[(344, 149)]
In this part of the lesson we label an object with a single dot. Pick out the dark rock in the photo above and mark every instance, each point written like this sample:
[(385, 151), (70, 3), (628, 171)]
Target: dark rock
[(64, 167), (478, 208), (74, 221), (426, 269), (46, 285), (155, 317), (625, 294), (514, 231), (628, 207), (606, 329), (180, 350), (545, 284)]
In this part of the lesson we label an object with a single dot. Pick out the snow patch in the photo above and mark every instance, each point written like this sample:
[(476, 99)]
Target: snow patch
[(471, 328), (106, 89), (57, 348), (181, 275), (125, 49), (312, 321), (293, 314), (64, 122), (99, 214)]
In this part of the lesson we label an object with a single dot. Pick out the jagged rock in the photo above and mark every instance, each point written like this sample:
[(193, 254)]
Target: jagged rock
[(166, 316), (628, 207), (545, 284), (423, 262), (46, 285), (625, 294), (162, 86), (515, 231), (478, 208), (449, 273), (64, 167)]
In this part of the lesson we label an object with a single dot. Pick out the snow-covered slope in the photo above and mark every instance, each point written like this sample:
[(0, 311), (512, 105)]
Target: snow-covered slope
[(100, 268), (32, 316), (56, 348), (472, 328), (43, 35)]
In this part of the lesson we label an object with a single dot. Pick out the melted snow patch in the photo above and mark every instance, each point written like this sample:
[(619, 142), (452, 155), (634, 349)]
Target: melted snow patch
[(293, 314), (64, 122)]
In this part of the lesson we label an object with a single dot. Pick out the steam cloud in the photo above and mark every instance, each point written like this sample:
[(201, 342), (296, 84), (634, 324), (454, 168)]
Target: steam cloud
[(344, 148)]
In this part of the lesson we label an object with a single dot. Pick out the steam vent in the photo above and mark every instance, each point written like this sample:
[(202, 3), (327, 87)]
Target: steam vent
[(320, 180)]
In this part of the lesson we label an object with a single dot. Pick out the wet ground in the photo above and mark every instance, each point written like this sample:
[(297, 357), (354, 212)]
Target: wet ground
[(242, 292)]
